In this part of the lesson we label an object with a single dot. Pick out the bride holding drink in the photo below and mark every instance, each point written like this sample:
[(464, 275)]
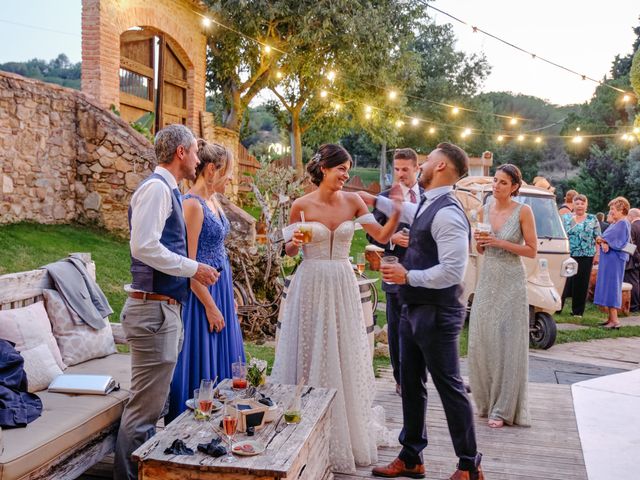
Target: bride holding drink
[(323, 337)]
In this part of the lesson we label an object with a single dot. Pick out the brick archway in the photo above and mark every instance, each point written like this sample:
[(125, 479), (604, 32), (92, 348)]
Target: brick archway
[(103, 23)]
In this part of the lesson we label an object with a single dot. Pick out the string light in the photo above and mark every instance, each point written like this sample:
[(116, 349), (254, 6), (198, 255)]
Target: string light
[(337, 106), (432, 130), (626, 98), (414, 121), (399, 123), (367, 116), (625, 137), (520, 138), (393, 95), (367, 108), (513, 121), (455, 110), (331, 76), (500, 138), (279, 74), (206, 21), (538, 140), (267, 49), (531, 54), (577, 139), (323, 93)]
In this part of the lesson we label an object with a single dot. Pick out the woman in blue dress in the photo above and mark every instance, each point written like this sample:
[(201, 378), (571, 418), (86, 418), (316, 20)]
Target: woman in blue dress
[(212, 335), (608, 292)]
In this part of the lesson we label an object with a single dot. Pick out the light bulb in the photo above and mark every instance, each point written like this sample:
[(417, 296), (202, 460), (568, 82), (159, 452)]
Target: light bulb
[(367, 108), (513, 121), (500, 138), (279, 74), (331, 75), (626, 98), (206, 22), (399, 123), (520, 138), (393, 95), (636, 130), (538, 139), (267, 49), (323, 93), (455, 110), (467, 131), (432, 130), (577, 139), (367, 116), (577, 129), (414, 121)]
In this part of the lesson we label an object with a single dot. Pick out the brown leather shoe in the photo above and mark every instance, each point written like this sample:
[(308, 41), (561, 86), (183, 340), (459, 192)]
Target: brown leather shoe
[(466, 475), (398, 468)]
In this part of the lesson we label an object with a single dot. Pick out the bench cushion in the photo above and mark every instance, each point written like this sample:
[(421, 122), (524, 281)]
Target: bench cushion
[(67, 420)]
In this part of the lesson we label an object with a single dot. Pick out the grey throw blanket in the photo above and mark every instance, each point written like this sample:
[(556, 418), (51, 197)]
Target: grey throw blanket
[(80, 292)]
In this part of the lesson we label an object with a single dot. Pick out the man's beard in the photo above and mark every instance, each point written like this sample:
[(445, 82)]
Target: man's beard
[(425, 180)]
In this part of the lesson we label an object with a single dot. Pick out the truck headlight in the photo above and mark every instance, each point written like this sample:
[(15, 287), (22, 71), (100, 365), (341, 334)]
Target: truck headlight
[(569, 268)]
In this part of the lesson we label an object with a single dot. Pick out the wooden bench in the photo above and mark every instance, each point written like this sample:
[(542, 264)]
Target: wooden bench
[(74, 432), (292, 451)]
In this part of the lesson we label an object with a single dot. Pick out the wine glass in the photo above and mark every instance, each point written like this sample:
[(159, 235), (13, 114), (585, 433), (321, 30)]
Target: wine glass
[(360, 263), (229, 425)]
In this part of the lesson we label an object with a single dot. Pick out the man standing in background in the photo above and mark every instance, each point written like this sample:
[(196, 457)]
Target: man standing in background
[(405, 173)]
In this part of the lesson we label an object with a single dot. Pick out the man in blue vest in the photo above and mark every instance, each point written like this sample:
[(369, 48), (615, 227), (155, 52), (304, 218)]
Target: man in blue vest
[(405, 174), (160, 271), (431, 276)]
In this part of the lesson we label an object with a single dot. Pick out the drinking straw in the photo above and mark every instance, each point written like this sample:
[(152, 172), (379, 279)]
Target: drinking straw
[(302, 216)]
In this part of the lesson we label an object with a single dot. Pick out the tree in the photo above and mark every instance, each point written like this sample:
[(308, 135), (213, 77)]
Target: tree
[(364, 45), (238, 68)]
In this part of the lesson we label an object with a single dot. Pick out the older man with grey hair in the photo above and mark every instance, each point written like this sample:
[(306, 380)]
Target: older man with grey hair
[(632, 268), (160, 271)]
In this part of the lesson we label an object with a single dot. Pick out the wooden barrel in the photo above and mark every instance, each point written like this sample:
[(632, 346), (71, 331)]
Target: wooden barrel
[(369, 318)]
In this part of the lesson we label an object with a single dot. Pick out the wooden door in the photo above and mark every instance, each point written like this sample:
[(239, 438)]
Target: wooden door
[(172, 91), (137, 79)]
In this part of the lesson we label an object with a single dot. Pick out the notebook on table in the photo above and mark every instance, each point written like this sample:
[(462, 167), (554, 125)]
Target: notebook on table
[(78, 383)]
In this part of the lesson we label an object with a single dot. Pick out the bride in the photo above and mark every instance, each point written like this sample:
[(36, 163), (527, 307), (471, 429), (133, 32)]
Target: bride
[(323, 338)]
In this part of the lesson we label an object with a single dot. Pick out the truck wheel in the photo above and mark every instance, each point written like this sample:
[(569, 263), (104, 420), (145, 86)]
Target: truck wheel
[(542, 334)]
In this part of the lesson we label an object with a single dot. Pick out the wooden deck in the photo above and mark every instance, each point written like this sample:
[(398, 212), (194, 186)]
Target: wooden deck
[(550, 449)]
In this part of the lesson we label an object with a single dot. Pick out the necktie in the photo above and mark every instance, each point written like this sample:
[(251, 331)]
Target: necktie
[(422, 202), (412, 196)]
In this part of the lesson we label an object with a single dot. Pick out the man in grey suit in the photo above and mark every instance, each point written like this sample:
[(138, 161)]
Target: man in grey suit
[(160, 271)]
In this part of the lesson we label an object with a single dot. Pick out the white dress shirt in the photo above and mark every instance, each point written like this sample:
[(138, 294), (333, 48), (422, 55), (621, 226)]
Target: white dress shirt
[(450, 231), (405, 192), (151, 206)]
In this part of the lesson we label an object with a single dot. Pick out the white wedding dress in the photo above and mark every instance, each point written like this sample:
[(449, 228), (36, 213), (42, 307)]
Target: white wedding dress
[(323, 339)]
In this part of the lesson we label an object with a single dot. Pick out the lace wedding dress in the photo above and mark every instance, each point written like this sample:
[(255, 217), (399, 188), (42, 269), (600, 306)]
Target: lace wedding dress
[(323, 339)]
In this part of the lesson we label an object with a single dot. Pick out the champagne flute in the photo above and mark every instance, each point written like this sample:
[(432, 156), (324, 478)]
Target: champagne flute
[(229, 425), (360, 263)]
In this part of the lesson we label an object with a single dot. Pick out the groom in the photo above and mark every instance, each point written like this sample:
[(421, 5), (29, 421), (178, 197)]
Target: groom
[(431, 276)]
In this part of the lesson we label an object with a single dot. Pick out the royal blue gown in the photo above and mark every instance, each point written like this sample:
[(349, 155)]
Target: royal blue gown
[(205, 355), (608, 291)]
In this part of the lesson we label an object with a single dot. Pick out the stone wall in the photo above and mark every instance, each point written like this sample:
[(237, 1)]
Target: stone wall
[(65, 159)]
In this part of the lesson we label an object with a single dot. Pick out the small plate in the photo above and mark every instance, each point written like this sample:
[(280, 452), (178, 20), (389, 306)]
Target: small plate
[(248, 448), (216, 405)]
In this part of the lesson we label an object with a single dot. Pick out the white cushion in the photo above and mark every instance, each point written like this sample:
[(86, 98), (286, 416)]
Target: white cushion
[(28, 327), (40, 366), (77, 340)]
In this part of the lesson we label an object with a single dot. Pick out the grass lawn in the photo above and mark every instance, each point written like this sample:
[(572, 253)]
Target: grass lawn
[(367, 175)]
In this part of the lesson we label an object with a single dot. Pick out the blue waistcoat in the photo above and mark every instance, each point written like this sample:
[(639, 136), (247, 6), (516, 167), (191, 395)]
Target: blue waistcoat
[(422, 253), (174, 238)]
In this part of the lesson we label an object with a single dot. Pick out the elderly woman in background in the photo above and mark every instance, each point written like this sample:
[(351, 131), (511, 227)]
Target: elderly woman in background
[(582, 229), (608, 291)]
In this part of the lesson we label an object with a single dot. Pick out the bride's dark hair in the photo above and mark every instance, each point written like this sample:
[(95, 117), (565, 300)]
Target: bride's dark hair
[(328, 155)]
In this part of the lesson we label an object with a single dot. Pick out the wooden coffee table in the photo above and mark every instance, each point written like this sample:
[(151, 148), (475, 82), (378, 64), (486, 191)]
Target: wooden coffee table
[(292, 451)]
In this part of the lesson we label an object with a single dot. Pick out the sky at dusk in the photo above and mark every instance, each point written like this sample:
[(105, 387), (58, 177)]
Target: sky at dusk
[(583, 35)]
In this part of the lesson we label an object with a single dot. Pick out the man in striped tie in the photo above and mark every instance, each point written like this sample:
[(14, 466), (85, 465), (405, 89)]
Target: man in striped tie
[(405, 173)]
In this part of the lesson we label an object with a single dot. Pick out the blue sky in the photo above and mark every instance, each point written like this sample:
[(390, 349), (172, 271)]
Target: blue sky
[(583, 35)]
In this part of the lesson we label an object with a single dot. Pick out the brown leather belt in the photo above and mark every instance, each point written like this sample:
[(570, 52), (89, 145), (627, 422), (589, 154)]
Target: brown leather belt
[(153, 296)]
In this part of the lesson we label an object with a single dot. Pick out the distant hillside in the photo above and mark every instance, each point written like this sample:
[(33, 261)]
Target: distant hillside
[(59, 70)]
